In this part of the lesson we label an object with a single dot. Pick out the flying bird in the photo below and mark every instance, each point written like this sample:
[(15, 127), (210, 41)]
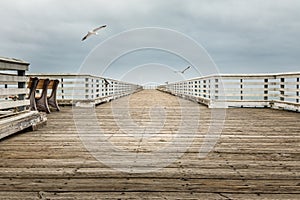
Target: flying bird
[(93, 32), (183, 70)]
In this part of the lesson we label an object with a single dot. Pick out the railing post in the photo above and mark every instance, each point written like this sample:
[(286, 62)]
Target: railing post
[(209, 88), (281, 89), (196, 88), (86, 88), (200, 88), (21, 85), (62, 88), (241, 89), (216, 88), (204, 88), (5, 86), (97, 88), (266, 90), (297, 92), (92, 89)]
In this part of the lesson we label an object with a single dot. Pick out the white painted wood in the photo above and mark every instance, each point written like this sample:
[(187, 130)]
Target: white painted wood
[(12, 104), (13, 64), (4, 92), (5, 112), (12, 78), (241, 87), (87, 87)]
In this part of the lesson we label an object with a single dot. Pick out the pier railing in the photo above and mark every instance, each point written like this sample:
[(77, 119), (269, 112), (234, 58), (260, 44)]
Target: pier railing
[(81, 89), (280, 91), (14, 106)]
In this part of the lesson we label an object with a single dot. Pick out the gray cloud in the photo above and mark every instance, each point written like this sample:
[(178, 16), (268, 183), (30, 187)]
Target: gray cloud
[(241, 36)]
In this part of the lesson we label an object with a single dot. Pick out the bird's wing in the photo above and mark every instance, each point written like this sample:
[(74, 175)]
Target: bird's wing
[(185, 69), (87, 35), (97, 29)]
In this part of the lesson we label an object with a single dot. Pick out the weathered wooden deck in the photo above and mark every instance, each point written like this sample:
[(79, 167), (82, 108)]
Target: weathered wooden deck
[(256, 157)]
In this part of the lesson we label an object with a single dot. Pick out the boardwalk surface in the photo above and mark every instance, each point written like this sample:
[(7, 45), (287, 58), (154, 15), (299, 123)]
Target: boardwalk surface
[(256, 157)]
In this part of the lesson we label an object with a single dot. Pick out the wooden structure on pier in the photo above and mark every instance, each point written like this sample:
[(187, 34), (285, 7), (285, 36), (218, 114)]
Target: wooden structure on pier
[(256, 157), (14, 113)]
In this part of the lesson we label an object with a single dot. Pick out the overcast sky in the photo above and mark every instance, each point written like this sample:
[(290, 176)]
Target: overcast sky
[(240, 36)]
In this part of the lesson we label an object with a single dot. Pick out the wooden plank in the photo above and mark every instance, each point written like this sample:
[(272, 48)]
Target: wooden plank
[(150, 185), (4, 92), (12, 78), (256, 155), (13, 64), (19, 122), (111, 195), (10, 113), (140, 195), (13, 104)]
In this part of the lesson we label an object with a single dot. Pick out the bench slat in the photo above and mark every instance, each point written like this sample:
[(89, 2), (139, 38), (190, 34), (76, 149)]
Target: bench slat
[(41, 83)]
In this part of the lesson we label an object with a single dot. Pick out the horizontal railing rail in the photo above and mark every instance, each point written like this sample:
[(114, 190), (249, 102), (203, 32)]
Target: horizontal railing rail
[(279, 91), (81, 89)]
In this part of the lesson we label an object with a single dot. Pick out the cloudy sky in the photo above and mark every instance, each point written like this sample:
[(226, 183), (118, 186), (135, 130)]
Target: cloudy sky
[(240, 36)]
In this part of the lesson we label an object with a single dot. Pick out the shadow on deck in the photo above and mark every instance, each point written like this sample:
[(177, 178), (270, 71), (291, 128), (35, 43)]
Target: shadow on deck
[(256, 157)]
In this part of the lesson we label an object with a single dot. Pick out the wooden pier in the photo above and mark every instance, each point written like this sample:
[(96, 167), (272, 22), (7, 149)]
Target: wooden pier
[(256, 157)]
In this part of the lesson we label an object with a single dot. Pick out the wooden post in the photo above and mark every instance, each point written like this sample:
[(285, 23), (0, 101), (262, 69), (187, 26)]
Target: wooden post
[(281, 89), (97, 88), (209, 89), (196, 88), (204, 88), (86, 88), (62, 88), (5, 86), (113, 88), (241, 89), (21, 85), (216, 88), (266, 91), (297, 92), (91, 88)]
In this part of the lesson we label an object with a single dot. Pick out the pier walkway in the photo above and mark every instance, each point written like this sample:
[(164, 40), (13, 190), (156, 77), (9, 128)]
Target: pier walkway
[(256, 157)]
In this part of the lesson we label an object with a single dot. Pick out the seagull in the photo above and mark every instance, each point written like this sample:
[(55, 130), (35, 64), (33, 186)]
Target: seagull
[(183, 70), (93, 32)]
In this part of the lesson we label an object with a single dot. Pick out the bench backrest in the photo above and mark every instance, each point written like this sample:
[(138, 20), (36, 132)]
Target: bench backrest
[(40, 83)]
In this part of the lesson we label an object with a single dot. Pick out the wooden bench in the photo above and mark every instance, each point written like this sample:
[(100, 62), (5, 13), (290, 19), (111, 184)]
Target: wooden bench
[(42, 102)]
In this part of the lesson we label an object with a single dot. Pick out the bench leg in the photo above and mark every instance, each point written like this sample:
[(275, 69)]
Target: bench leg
[(42, 103), (54, 104), (52, 99), (31, 95)]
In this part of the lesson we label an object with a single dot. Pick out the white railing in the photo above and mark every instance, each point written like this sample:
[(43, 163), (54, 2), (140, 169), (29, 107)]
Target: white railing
[(81, 89), (12, 86), (14, 107), (279, 91)]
